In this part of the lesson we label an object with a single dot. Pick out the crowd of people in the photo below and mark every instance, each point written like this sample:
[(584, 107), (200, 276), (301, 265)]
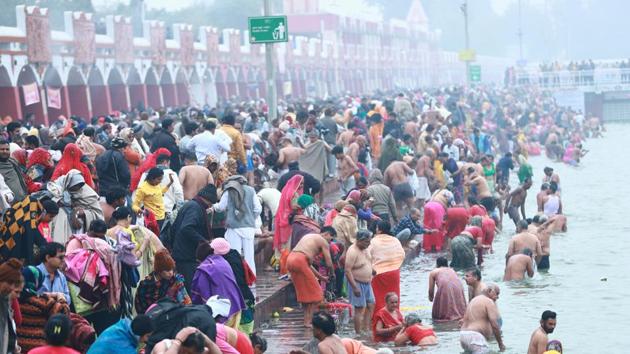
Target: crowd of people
[(113, 225)]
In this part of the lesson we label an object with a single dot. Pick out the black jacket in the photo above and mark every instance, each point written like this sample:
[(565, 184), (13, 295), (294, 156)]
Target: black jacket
[(163, 139), (311, 184), (189, 228), (112, 170)]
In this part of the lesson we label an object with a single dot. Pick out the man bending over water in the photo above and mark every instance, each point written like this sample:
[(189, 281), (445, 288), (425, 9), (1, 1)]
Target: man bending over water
[(481, 322), (518, 265)]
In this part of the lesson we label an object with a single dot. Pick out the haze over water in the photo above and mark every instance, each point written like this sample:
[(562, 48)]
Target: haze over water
[(588, 283)]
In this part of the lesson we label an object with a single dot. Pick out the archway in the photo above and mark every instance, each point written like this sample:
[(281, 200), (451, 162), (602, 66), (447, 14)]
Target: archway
[(27, 80), (154, 95), (56, 95), (117, 90), (262, 84), (181, 87), (231, 82), (242, 82), (252, 83), (77, 90), (168, 89), (9, 96), (221, 83), (99, 94), (196, 90), (137, 90)]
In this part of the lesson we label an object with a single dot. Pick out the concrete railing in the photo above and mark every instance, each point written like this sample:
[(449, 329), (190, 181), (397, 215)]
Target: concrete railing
[(588, 80)]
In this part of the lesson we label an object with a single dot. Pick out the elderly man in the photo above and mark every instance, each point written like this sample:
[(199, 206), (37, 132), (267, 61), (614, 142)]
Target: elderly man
[(518, 265), (11, 172), (481, 321), (359, 278), (242, 207)]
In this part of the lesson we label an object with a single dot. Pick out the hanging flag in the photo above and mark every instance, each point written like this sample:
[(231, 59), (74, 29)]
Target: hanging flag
[(31, 94), (54, 97)]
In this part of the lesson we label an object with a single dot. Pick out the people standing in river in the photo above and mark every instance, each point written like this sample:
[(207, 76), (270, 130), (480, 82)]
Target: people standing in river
[(515, 201), (449, 302), (539, 339), (552, 205), (472, 277), (551, 176), (523, 239), (481, 322), (519, 264)]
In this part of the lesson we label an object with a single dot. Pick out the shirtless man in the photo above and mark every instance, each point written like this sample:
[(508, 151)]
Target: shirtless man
[(543, 227), (522, 240), (358, 271), (287, 154), (425, 175), (481, 321), (552, 205), (395, 177), (539, 339), (346, 138), (303, 275), (355, 148), (346, 168), (540, 197), (324, 329), (516, 201), (551, 177), (475, 285), (518, 265), (483, 194)]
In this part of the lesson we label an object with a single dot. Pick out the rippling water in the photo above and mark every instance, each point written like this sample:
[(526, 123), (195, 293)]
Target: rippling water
[(588, 283)]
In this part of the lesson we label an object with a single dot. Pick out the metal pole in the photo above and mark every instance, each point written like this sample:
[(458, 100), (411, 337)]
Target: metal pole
[(272, 95), (465, 10)]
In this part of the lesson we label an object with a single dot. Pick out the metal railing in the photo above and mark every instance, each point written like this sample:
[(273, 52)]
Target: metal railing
[(597, 79)]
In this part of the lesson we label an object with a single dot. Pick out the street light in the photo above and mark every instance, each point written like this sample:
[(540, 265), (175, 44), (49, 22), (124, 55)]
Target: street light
[(464, 8)]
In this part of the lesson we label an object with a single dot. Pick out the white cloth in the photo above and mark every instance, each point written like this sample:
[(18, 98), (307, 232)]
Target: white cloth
[(552, 206), (423, 191), (7, 196), (206, 143), (242, 240), (271, 198), (473, 342), (452, 151)]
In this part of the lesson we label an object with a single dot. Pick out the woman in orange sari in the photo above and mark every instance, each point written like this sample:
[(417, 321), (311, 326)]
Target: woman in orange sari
[(388, 321)]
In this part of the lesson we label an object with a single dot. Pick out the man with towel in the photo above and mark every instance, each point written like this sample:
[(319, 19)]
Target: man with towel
[(304, 277)]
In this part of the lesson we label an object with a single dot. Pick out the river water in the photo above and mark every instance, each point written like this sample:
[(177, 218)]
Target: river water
[(590, 263)]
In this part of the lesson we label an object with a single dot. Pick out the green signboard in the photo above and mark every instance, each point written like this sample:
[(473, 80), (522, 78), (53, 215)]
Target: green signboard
[(268, 29), (475, 73)]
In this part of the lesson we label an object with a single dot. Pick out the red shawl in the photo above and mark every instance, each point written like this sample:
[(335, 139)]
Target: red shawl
[(71, 160), (388, 321), (282, 233), (39, 156), (148, 164)]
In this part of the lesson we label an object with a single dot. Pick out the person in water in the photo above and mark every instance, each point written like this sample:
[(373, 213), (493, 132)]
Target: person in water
[(415, 332), (539, 339)]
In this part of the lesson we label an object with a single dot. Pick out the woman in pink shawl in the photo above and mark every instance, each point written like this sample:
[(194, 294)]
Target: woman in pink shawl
[(288, 202)]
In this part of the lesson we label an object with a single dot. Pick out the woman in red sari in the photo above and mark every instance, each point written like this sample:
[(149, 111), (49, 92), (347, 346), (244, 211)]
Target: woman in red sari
[(71, 160), (388, 321), (288, 203)]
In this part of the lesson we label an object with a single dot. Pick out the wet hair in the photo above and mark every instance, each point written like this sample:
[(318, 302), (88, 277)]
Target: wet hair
[(89, 131), (98, 226), (553, 186), (526, 251), (228, 119), (330, 230), (544, 186), (58, 328), (441, 262), (114, 194), (121, 213), (259, 341), (324, 322), (522, 225), (190, 128), (154, 173), (412, 318), (209, 125), (162, 158), (390, 295), (195, 341), (32, 140), (476, 272), (50, 250), (166, 123), (548, 314), (50, 207), (189, 155), (384, 226), (141, 325), (338, 149)]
